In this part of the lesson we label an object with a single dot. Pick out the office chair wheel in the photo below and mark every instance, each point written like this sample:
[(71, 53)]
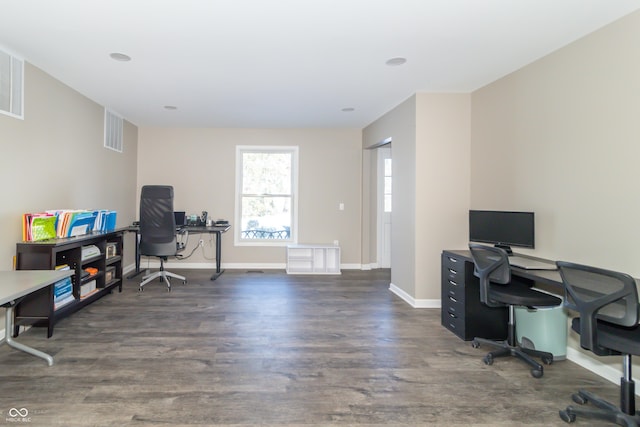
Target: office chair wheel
[(547, 360), (475, 344), (488, 359), (567, 417), (578, 398), (140, 289), (537, 373)]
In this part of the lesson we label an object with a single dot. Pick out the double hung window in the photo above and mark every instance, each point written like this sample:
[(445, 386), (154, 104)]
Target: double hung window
[(266, 199)]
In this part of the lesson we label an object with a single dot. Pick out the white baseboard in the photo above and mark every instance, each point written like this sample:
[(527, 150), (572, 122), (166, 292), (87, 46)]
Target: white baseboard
[(415, 303), (232, 266), (607, 372), (592, 364)]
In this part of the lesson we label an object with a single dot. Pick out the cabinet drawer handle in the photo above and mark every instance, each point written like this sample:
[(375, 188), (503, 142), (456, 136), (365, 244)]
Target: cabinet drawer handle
[(452, 315), (452, 299), (452, 259), (453, 271), (451, 282)]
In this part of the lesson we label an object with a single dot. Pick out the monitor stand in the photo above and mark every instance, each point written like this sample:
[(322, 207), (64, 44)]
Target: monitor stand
[(506, 248)]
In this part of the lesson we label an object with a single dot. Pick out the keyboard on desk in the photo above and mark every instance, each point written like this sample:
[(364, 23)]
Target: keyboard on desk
[(530, 264)]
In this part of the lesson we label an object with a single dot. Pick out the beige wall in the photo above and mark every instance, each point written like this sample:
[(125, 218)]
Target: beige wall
[(442, 184), (55, 159), (560, 137), (400, 125), (200, 164), (430, 152)]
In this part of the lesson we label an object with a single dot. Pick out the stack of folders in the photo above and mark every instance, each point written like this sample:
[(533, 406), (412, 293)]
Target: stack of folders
[(39, 226), (105, 220), (75, 223), (62, 290), (66, 223)]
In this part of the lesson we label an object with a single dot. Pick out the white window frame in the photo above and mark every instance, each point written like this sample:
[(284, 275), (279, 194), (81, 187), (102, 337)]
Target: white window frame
[(293, 234)]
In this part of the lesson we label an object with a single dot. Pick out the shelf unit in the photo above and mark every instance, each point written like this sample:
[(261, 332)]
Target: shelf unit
[(38, 308), (313, 259)]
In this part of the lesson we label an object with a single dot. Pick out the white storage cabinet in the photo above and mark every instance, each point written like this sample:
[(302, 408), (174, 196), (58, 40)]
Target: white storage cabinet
[(313, 259)]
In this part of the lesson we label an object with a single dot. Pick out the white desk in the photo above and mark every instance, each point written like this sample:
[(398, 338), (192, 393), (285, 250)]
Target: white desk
[(14, 285)]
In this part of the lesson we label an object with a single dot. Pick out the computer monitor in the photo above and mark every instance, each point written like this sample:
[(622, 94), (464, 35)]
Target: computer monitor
[(180, 217), (502, 228)]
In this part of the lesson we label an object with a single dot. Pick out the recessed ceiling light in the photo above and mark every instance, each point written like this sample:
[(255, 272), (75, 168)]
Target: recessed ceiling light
[(120, 57), (348, 109), (170, 107), (393, 62)]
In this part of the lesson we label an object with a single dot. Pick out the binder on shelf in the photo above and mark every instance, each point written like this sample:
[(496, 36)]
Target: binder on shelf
[(62, 289), (38, 226), (43, 227), (111, 221), (105, 220), (81, 223), (62, 302)]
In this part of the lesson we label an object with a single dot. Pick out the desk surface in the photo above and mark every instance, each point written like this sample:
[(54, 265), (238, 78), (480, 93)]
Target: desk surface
[(193, 228), (16, 284), (205, 229), (549, 277)]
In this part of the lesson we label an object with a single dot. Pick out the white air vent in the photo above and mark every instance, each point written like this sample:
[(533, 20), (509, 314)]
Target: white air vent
[(11, 87), (112, 131)]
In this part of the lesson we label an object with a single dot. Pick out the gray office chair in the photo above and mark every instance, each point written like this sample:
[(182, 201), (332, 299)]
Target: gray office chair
[(497, 289), (158, 230), (607, 304)]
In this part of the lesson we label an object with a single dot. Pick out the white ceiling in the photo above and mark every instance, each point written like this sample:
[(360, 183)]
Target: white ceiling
[(286, 63)]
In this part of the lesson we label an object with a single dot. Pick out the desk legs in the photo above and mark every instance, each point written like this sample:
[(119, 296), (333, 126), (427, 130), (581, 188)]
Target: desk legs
[(8, 329), (137, 245), (215, 275), (218, 256)]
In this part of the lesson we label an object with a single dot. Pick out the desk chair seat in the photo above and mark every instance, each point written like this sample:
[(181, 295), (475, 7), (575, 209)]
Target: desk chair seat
[(158, 230), (607, 303), (497, 289)]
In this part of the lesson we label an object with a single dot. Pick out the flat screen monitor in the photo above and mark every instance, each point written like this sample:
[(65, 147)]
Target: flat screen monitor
[(180, 217), (502, 228)]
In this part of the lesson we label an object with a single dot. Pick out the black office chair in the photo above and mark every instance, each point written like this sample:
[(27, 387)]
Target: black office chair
[(158, 230), (498, 290), (607, 302)]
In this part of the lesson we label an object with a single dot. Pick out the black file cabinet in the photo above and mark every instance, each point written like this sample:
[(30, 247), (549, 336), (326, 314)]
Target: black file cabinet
[(462, 312)]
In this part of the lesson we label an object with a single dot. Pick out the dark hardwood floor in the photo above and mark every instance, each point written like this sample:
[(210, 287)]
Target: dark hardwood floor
[(270, 349)]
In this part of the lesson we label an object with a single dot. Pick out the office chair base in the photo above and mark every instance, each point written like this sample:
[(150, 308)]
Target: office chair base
[(164, 276), (603, 410), (524, 354)]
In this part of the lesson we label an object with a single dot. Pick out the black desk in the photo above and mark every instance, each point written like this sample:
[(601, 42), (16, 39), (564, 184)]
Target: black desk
[(545, 277), (461, 309), (217, 230)]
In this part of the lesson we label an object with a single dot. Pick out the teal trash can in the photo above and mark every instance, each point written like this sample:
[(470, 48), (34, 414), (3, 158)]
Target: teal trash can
[(543, 329)]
